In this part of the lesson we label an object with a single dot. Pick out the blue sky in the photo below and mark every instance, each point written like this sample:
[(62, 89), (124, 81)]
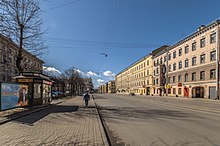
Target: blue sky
[(126, 30)]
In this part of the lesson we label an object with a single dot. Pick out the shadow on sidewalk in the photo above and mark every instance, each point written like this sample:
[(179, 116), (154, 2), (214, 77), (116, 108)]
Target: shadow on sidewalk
[(34, 117)]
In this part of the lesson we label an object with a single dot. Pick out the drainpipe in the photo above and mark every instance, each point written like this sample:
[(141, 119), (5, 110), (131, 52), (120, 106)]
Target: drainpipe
[(217, 60)]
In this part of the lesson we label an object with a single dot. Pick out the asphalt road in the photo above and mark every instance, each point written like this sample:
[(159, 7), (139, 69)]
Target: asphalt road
[(160, 121)]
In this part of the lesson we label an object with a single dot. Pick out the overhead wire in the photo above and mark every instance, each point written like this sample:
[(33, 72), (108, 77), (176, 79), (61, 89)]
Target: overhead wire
[(62, 5), (89, 43)]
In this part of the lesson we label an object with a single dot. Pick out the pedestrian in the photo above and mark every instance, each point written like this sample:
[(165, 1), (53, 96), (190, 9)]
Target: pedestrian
[(86, 97)]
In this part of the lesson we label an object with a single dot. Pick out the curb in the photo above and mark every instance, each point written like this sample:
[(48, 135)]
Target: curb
[(104, 133), (31, 111)]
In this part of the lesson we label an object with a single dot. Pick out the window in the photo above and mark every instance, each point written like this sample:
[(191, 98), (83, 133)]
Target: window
[(180, 52), (202, 43), (193, 76), (157, 71), (186, 77), (174, 90), (213, 38), (179, 78), (147, 62), (174, 66), (212, 74), (169, 80), (156, 81), (165, 58), (194, 46), (147, 72), (169, 91), (212, 55), (186, 49), (169, 56), (202, 58), (10, 60), (193, 61), (155, 63), (174, 79), (179, 91), (170, 67), (161, 60), (187, 63), (180, 64), (174, 54), (202, 75)]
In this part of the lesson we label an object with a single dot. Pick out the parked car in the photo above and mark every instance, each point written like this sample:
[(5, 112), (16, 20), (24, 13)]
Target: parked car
[(54, 94), (132, 94)]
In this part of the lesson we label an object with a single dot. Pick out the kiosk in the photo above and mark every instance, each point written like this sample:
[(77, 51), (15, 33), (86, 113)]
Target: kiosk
[(39, 87)]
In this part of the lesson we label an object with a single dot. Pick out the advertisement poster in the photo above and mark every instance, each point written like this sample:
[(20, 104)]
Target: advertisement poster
[(13, 95)]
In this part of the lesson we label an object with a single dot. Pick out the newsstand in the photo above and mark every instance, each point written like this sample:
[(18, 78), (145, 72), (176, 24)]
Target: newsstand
[(39, 87)]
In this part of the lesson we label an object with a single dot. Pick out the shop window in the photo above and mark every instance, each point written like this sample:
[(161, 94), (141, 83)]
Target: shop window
[(179, 91), (174, 90)]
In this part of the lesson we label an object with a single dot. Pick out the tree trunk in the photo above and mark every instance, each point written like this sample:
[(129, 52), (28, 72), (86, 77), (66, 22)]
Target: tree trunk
[(20, 56)]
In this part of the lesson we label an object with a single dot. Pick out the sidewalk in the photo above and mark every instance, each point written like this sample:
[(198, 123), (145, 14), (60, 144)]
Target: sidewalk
[(11, 114), (67, 123)]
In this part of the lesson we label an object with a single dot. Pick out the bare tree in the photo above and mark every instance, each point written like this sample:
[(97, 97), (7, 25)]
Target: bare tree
[(20, 21), (74, 80)]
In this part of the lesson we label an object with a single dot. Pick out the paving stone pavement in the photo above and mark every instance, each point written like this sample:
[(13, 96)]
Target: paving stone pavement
[(68, 123)]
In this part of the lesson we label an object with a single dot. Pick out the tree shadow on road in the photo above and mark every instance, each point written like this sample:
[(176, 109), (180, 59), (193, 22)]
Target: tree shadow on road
[(133, 113)]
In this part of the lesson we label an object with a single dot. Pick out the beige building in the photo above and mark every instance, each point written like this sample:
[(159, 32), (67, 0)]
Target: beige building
[(159, 70), (103, 88), (8, 53), (192, 68), (111, 87), (137, 78), (188, 68)]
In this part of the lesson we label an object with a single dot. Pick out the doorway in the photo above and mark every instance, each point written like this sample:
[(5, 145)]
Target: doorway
[(198, 92)]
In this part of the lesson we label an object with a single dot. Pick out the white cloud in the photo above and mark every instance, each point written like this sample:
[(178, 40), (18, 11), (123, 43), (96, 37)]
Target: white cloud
[(108, 73), (51, 70), (100, 81), (90, 73), (79, 71)]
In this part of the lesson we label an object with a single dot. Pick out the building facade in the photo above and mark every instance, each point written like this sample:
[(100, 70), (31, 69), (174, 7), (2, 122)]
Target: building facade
[(111, 87), (189, 68), (159, 70), (193, 70), (137, 78), (8, 56), (88, 84)]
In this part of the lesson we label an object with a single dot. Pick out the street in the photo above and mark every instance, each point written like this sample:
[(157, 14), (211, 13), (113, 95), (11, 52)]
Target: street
[(160, 121)]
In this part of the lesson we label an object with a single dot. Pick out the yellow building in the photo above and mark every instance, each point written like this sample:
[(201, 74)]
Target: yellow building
[(137, 78), (111, 87)]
